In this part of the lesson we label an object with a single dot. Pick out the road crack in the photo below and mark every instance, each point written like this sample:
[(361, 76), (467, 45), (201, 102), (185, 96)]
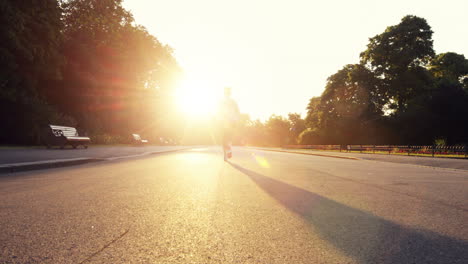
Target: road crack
[(104, 247)]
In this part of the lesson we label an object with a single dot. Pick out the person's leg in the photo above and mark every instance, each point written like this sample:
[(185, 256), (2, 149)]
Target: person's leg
[(228, 142), (225, 143)]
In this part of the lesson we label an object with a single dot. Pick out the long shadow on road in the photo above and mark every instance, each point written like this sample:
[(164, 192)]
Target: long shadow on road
[(359, 234)]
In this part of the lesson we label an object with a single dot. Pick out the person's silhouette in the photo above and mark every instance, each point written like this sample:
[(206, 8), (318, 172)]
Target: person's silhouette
[(229, 115)]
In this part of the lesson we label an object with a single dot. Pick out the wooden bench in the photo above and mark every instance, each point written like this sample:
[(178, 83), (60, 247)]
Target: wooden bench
[(62, 135), (354, 148), (138, 140)]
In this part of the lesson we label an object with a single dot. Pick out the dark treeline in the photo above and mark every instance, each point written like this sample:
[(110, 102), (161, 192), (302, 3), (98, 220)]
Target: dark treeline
[(86, 63), (401, 92), (83, 63)]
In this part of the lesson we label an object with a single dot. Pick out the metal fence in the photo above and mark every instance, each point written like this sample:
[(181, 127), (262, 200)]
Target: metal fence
[(458, 150)]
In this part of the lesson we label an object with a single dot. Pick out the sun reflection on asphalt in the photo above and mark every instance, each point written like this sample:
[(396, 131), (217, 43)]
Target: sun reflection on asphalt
[(261, 160), (193, 158), (198, 149)]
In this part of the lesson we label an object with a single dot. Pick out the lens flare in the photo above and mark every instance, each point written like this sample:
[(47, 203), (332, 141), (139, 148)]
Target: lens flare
[(262, 161), (196, 98)]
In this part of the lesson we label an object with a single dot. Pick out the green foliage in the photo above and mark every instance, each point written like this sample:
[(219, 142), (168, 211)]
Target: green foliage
[(81, 62), (400, 93), (398, 57), (85, 63), (106, 139), (277, 128), (313, 113), (352, 100), (297, 125), (440, 142), (277, 131), (352, 93), (30, 58), (310, 137), (27, 127), (116, 72), (408, 44), (30, 50), (255, 133), (452, 67)]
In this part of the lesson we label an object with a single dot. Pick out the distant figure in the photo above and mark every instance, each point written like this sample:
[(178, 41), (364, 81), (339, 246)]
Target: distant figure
[(229, 116)]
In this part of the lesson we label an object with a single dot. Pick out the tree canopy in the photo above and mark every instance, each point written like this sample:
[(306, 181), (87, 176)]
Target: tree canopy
[(84, 63), (401, 92), (31, 38)]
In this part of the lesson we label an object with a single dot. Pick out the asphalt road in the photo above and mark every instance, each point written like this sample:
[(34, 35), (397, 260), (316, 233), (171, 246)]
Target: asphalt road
[(450, 163), (37, 154), (262, 207)]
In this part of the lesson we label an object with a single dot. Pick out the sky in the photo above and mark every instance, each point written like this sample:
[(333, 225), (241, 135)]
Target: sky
[(277, 54)]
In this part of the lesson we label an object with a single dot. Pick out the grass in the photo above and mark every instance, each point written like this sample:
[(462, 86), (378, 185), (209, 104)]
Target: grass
[(415, 154), (5, 147), (459, 156)]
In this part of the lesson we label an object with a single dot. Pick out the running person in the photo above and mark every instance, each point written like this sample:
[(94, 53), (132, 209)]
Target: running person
[(229, 115)]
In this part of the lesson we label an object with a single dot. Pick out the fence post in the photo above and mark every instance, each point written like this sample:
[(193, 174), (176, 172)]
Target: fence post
[(409, 147), (373, 150), (361, 149), (433, 150)]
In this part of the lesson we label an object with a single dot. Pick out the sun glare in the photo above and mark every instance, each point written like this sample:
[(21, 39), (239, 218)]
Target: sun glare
[(197, 99)]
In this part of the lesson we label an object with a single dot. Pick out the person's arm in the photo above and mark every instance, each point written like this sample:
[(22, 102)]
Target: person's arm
[(237, 111)]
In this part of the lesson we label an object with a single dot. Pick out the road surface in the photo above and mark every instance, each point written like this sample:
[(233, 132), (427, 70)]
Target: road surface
[(38, 154), (262, 207)]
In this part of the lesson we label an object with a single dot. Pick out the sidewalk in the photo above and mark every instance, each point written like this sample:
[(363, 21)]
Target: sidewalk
[(450, 163), (18, 159)]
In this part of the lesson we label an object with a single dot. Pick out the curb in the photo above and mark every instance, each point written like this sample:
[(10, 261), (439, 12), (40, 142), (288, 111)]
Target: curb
[(311, 154), (50, 164), (145, 154)]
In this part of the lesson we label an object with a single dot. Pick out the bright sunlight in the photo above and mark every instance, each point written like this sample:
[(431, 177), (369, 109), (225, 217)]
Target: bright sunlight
[(197, 98)]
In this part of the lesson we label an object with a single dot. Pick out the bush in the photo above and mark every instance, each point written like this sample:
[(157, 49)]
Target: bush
[(440, 142), (310, 137), (109, 139), (27, 127)]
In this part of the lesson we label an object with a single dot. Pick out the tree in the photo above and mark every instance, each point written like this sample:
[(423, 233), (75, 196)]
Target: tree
[(30, 58), (399, 57), (277, 128), (440, 113), (351, 100), (310, 137), (82, 62), (30, 47), (242, 129), (446, 107), (116, 72), (313, 113), (400, 93), (255, 133), (297, 125), (451, 66)]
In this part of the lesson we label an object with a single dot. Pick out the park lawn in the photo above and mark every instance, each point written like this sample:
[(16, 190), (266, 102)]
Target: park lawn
[(386, 153)]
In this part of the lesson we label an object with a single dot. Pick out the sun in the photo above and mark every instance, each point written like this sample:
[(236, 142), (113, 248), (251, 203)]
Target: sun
[(197, 98)]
